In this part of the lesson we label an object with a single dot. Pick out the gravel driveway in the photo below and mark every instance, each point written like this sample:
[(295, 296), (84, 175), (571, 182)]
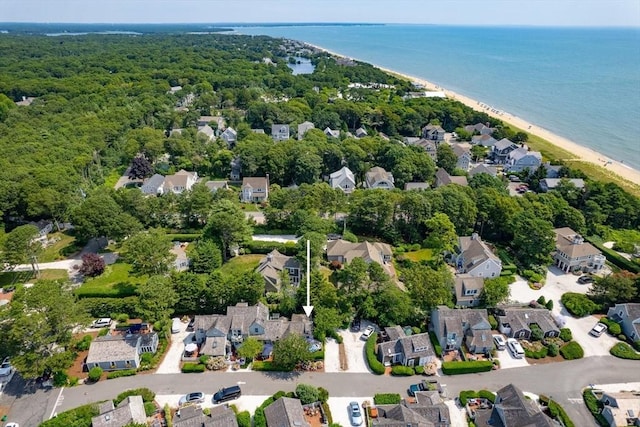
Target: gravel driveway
[(332, 356), (354, 349), (171, 362)]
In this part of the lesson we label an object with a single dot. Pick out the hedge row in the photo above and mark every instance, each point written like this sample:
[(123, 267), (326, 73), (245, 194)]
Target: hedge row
[(572, 350), (146, 394), (594, 406), (614, 257), (118, 374), (387, 398), (624, 351), (402, 371), (435, 343), (457, 368), (370, 350), (465, 395), (184, 237), (557, 412), (103, 307), (260, 247), (188, 368)]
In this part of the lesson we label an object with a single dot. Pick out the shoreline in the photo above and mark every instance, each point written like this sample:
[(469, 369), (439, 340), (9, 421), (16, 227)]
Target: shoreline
[(581, 153)]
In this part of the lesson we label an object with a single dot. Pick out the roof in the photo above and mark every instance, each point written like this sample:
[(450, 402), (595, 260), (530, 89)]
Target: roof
[(464, 282), (459, 150), (416, 186), (458, 320), (474, 252), (445, 179), (484, 139), (273, 264), (344, 172), (112, 349), (551, 183), (207, 130), (285, 412), (216, 185), (412, 346), (522, 318), (515, 410), (365, 250), (179, 179), (572, 244), (255, 182), (522, 152), (334, 133), (130, 410), (192, 416), (504, 143), (490, 170), (153, 184), (377, 174)]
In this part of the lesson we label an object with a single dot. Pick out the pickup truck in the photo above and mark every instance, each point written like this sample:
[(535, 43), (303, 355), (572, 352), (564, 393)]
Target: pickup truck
[(424, 385)]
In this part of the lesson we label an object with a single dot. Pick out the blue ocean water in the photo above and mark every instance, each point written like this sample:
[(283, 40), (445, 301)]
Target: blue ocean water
[(582, 84)]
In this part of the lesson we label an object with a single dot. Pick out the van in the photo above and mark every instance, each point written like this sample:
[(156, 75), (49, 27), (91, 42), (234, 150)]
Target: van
[(499, 341), (176, 325), (515, 348), (228, 393)]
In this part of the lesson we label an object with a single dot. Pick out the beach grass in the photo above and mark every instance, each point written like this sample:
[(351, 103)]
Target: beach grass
[(241, 264)]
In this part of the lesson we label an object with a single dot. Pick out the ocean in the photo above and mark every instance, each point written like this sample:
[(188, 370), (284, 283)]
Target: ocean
[(580, 83)]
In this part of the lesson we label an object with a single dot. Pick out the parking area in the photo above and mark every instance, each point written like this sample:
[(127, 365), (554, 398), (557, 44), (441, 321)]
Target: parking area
[(340, 408), (508, 361), (171, 362), (332, 356), (243, 403), (354, 349)]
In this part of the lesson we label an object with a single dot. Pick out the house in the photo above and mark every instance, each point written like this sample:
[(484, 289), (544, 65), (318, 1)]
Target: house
[(489, 170), (258, 131), (516, 322), (416, 186), (216, 333), (484, 140), (207, 131), (44, 227), (343, 179), (303, 128), (236, 169), (501, 150), (406, 350), (622, 408), (476, 259), (377, 177), (218, 122), (479, 129), (553, 171), (280, 132), (179, 182), (513, 409), (572, 253), (120, 350), (628, 315), (332, 133), (285, 412), (433, 133), (453, 327), (193, 416), (522, 159), (548, 184), (214, 186), (361, 132), (129, 411), (26, 101), (230, 136), (468, 290), (428, 410), (174, 89), (271, 269), (153, 186), (343, 252), (443, 178), (429, 146), (255, 189), (464, 156)]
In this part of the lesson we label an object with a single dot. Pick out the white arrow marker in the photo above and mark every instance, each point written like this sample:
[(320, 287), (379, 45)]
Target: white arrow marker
[(308, 308)]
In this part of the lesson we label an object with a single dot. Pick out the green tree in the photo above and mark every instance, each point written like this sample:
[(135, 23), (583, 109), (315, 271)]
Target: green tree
[(156, 298), (204, 256), (6, 104), (99, 215), (533, 239), (307, 393), (428, 287), (447, 159), (148, 252), (495, 291), (192, 292), (196, 204), (441, 233), (290, 351), (20, 246), (249, 348), (615, 288), (228, 224), (325, 322), (395, 307)]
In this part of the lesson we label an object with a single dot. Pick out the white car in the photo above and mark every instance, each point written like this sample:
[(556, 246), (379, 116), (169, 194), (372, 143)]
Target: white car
[(11, 425), (598, 329), (367, 332), (103, 322), (355, 414), (515, 348), (500, 342), (5, 367)]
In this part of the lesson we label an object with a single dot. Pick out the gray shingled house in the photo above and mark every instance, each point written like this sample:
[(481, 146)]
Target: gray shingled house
[(120, 350), (516, 322), (429, 410), (628, 315), (130, 410), (192, 416), (403, 349), (285, 412), (272, 267), (513, 409), (455, 326)]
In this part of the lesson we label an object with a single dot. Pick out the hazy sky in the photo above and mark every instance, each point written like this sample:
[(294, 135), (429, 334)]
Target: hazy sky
[(455, 12)]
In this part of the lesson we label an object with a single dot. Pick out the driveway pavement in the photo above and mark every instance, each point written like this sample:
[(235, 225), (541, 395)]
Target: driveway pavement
[(354, 349), (458, 415), (171, 362), (340, 408), (332, 356), (507, 360), (258, 217)]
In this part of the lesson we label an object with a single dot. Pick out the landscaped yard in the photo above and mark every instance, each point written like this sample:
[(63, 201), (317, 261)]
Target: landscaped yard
[(421, 255), (239, 265), (116, 281), (21, 277), (61, 249)]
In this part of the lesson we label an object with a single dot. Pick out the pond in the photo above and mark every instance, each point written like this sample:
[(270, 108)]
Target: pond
[(301, 65)]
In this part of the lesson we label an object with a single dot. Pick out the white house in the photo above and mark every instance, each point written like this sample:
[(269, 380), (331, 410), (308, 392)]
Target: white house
[(521, 159), (476, 259), (377, 177), (343, 179), (303, 128), (280, 132), (255, 189)]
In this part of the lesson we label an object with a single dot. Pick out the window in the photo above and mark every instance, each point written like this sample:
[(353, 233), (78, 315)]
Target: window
[(113, 365), (256, 330)]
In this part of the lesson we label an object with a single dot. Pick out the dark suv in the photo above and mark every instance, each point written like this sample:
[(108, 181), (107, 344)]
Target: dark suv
[(585, 279), (228, 393)]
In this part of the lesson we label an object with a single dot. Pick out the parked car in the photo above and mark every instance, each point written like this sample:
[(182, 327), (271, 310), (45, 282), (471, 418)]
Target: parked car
[(355, 414), (585, 279), (355, 325), (227, 393), (176, 324), (195, 397), (5, 367), (598, 329), (500, 342), (515, 348), (103, 322), (367, 332)]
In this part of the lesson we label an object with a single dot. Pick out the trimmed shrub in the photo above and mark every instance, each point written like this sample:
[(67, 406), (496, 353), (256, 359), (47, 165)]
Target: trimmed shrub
[(118, 374), (549, 305), (614, 328), (536, 333), (323, 394), (557, 412), (493, 322), (267, 366), (457, 368), (387, 398), (189, 368), (149, 408), (402, 371), (244, 419), (465, 395), (147, 395), (102, 307), (370, 350), (419, 369), (636, 345), (95, 373), (83, 344), (566, 335), (594, 406), (486, 394), (434, 342), (307, 393), (578, 305), (536, 354), (571, 351), (553, 349), (541, 300), (624, 351)]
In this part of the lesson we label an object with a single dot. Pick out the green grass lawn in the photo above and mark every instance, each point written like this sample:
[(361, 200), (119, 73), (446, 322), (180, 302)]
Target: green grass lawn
[(239, 265), (21, 277), (59, 250), (116, 281), (421, 255), (249, 207)]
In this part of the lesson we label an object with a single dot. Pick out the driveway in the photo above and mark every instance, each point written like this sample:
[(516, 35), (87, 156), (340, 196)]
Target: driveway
[(332, 356), (340, 408), (354, 349), (258, 217), (244, 403), (171, 362), (458, 415), (507, 360)]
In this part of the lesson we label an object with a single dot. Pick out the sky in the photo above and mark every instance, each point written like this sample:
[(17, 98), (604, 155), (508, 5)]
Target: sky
[(446, 12)]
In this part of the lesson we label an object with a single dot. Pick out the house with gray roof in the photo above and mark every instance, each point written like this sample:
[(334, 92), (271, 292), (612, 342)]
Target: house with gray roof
[(516, 322), (120, 350), (361, 132), (207, 131), (468, 290), (428, 410), (484, 140), (180, 182), (522, 159), (431, 147), (303, 128), (443, 178), (129, 411), (548, 184), (621, 408), (479, 129), (433, 133), (229, 136), (377, 177), (464, 156), (343, 179), (236, 169), (455, 326), (214, 186), (489, 170), (153, 186), (344, 252), (408, 186), (476, 258), (274, 265), (285, 412), (280, 132), (513, 409), (332, 133), (406, 350), (255, 189), (628, 315), (572, 253), (501, 149), (193, 416)]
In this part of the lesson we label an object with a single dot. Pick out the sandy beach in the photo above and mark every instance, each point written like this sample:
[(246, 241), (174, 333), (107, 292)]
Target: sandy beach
[(580, 152)]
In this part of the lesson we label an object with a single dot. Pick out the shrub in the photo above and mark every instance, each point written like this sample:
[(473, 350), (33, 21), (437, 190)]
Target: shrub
[(92, 265), (244, 419), (100, 307), (216, 363), (60, 379), (571, 351), (636, 345), (307, 393), (402, 371), (622, 337), (578, 304), (434, 342), (624, 351), (268, 366), (149, 408), (387, 399), (203, 359), (124, 373), (486, 394), (594, 406), (80, 416), (557, 412), (188, 368), (147, 395), (541, 300), (146, 358), (167, 415), (456, 368), (614, 328), (370, 350), (536, 354), (465, 395), (566, 335), (493, 322), (327, 412), (419, 369), (84, 343), (323, 394), (549, 305), (536, 333), (95, 373), (553, 349)]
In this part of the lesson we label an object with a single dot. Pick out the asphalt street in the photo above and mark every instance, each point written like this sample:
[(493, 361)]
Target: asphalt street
[(563, 381)]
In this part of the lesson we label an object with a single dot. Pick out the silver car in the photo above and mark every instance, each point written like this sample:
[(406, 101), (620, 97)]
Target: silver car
[(195, 397), (355, 414)]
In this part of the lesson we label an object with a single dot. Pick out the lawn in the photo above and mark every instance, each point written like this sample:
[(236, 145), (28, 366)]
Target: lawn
[(116, 281), (239, 265), (21, 277), (249, 207), (421, 255), (60, 249)]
